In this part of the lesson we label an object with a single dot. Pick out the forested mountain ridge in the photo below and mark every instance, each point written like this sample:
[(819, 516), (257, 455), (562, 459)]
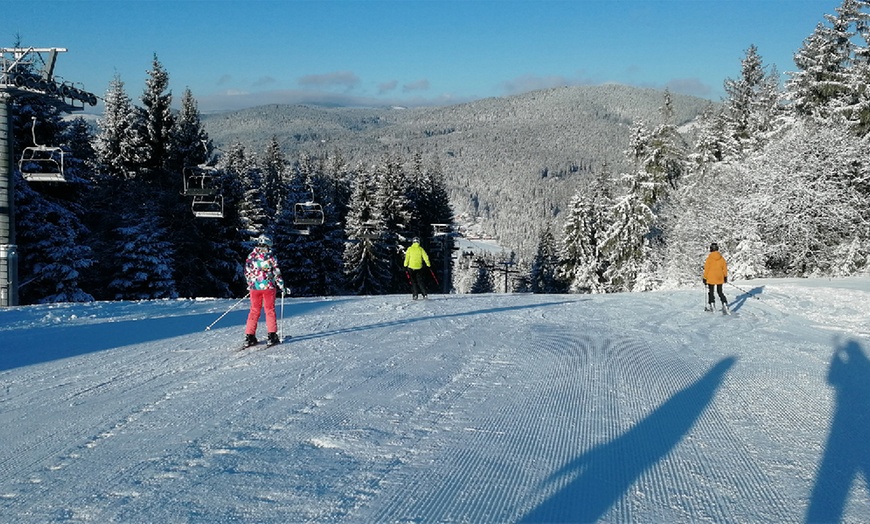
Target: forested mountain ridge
[(514, 161)]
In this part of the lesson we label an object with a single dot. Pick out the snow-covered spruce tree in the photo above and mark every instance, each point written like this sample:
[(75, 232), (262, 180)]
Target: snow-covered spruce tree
[(832, 81), (751, 104), (114, 145), (543, 273), (206, 251), (483, 282), (429, 204), (159, 122), (143, 257), (634, 241), (273, 165), (367, 256), (78, 139), (395, 212), (252, 206), (52, 255), (588, 218), (331, 187), (298, 253), (190, 144)]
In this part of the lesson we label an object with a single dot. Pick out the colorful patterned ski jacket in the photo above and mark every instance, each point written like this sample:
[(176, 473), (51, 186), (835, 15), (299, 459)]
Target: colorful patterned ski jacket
[(415, 256), (261, 270)]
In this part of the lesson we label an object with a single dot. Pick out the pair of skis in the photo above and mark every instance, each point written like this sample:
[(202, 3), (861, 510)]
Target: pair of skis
[(259, 345), (710, 308)]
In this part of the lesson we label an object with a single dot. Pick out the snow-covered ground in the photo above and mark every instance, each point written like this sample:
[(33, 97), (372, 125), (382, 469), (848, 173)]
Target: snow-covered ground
[(471, 408)]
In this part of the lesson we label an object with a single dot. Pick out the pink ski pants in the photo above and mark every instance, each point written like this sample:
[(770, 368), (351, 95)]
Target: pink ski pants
[(261, 298)]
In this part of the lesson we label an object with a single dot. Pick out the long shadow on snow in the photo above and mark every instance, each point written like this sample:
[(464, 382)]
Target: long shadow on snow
[(25, 347), (740, 299), (847, 451), (605, 472), (404, 321)]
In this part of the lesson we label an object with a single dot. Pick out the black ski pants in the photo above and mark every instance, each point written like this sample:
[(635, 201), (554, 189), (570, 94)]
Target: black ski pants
[(417, 286), (718, 288)]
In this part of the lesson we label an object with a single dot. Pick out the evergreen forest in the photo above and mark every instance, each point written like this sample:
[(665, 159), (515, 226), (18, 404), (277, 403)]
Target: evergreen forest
[(623, 194)]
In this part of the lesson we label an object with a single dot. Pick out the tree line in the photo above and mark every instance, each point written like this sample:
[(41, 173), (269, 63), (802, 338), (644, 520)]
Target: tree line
[(778, 176), (120, 227)]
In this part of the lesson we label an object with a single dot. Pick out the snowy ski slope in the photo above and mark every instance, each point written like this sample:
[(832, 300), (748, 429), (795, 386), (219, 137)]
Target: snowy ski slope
[(463, 408)]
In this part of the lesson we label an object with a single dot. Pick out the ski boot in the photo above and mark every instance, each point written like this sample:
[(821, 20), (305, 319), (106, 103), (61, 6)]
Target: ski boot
[(250, 340), (709, 307), (273, 339), (725, 309)]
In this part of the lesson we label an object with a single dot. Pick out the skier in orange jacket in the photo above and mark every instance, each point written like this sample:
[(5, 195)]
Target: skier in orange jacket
[(715, 274)]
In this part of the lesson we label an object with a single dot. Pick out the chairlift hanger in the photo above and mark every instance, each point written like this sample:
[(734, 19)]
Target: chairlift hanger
[(207, 206), (41, 163)]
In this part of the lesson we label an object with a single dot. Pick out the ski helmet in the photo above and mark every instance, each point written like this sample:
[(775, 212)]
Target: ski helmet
[(264, 241), (415, 240), (714, 247)]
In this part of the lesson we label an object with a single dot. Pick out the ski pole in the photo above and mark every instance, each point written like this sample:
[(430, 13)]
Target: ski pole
[(433, 275), (282, 313), (227, 311), (744, 291)]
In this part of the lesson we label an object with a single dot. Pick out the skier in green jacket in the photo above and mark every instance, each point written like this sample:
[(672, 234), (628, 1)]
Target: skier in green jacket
[(415, 256)]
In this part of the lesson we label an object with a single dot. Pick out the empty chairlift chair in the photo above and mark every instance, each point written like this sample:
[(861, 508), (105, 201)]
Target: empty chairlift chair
[(307, 214), (40, 163), (199, 184)]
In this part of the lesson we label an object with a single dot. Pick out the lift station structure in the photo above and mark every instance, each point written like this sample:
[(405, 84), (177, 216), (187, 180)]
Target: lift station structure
[(27, 71)]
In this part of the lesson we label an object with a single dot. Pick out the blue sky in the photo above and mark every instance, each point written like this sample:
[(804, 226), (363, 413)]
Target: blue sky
[(235, 54)]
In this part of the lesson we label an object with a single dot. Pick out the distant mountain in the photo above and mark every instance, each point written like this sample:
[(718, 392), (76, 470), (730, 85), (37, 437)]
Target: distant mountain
[(514, 162)]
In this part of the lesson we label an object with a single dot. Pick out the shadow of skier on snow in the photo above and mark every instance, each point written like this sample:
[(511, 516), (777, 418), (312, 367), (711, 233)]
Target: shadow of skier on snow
[(604, 473), (847, 451), (740, 299)]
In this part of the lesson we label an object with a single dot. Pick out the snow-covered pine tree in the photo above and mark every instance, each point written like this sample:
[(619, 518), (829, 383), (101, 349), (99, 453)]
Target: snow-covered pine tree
[(190, 144), (251, 207), (298, 254), (483, 282), (824, 86), (367, 255), (113, 143), (429, 204), (52, 255), (273, 165), (395, 212), (143, 257), (543, 274), (626, 242), (751, 104), (588, 218), (159, 121)]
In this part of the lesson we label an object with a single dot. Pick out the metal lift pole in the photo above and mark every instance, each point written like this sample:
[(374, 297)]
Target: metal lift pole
[(8, 249), (16, 79)]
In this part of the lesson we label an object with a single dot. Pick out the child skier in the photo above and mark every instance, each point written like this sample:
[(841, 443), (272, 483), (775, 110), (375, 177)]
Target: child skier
[(415, 256), (264, 281), (715, 274)]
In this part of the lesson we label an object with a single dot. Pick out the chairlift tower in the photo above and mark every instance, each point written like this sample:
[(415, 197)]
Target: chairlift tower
[(25, 71)]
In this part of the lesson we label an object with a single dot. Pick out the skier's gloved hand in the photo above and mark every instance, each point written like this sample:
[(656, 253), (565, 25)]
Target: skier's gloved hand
[(726, 279), (704, 280)]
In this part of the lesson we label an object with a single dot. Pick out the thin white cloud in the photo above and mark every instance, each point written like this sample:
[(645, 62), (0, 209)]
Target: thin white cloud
[(343, 79), (386, 87), (419, 85)]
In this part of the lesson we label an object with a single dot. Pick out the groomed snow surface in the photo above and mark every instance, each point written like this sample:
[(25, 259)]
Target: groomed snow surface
[(463, 408)]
